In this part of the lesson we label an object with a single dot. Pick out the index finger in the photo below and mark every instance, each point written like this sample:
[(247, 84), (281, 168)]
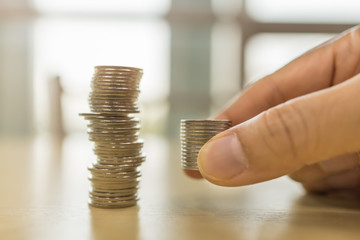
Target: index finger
[(326, 65)]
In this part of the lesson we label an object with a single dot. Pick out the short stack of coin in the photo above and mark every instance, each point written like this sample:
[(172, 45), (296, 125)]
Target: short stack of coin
[(194, 134), (115, 174)]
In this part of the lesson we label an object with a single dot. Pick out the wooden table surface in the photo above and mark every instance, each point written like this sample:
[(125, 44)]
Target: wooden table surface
[(44, 191)]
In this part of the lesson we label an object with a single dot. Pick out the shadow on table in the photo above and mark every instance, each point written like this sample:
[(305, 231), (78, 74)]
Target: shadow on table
[(115, 223), (345, 199), (331, 216)]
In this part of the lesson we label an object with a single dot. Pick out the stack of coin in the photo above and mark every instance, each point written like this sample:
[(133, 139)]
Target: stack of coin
[(115, 89), (115, 174), (194, 134)]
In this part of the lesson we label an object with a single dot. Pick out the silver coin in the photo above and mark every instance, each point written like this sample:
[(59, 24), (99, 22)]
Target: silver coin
[(115, 111), (190, 167), (103, 185), (208, 121), (113, 184), (113, 136), (119, 127), (109, 72), (124, 131), (111, 96), (131, 190), (124, 91), (194, 134), (123, 204), (102, 76), (121, 161), (113, 120), (119, 111), (96, 96), (123, 105), (115, 198), (129, 139), (116, 77), (119, 85), (120, 190), (114, 167), (114, 139), (105, 117), (112, 200), (112, 178), (103, 154), (137, 157), (119, 95), (126, 196), (112, 150), (109, 83), (113, 195), (119, 123), (115, 172)]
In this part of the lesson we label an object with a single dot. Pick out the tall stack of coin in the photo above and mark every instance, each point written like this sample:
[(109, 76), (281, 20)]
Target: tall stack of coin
[(114, 176), (194, 134)]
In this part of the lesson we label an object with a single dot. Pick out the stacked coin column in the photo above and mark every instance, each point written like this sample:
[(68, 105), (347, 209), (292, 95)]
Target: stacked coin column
[(194, 134), (114, 176)]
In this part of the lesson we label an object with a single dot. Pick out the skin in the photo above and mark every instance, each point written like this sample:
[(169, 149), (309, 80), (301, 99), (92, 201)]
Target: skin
[(303, 121)]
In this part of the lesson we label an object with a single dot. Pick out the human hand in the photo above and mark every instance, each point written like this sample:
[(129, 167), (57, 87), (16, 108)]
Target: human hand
[(303, 120)]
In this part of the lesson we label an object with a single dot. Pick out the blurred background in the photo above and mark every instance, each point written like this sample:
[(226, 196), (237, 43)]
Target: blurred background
[(195, 54)]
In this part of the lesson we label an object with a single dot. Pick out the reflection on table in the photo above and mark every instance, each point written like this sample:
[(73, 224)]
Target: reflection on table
[(44, 196)]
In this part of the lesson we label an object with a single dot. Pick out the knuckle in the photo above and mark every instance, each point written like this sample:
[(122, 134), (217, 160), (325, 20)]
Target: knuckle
[(287, 132)]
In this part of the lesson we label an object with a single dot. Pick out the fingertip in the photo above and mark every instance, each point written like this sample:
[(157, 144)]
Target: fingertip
[(195, 174)]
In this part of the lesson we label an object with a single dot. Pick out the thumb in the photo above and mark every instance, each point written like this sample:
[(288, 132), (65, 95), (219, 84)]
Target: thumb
[(300, 132)]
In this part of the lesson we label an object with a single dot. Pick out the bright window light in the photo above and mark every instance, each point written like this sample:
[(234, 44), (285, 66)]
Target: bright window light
[(307, 11), (71, 48), (103, 6), (225, 62), (228, 8), (267, 52)]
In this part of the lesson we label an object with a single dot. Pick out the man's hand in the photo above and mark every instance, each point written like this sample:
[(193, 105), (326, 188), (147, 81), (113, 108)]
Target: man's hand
[(303, 120)]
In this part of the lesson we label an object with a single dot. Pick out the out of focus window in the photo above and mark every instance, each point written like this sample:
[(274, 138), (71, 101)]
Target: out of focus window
[(305, 11), (103, 6)]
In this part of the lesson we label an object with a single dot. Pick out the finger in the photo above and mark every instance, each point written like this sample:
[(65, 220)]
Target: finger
[(347, 180), (285, 138), (193, 174), (289, 82), (319, 171), (327, 65)]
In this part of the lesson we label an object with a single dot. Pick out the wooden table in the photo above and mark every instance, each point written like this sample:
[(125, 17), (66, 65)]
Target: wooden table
[(44, 196)]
